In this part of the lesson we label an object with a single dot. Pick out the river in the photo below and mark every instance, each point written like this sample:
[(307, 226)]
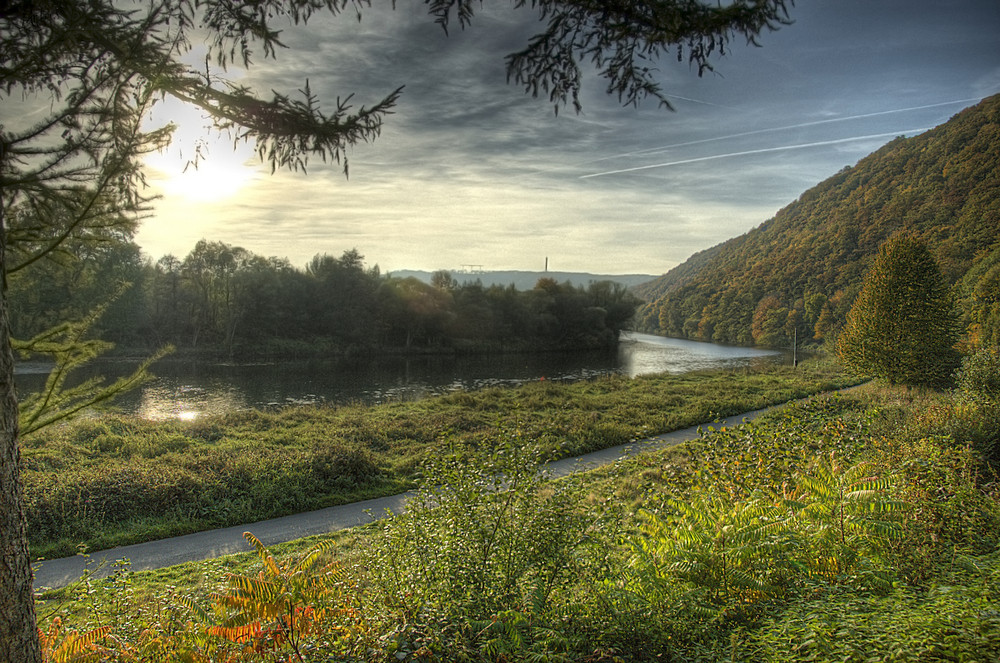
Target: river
[(187, 390)]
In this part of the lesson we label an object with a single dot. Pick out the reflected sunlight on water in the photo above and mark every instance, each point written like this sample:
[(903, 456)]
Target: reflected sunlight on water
[(161, 400)]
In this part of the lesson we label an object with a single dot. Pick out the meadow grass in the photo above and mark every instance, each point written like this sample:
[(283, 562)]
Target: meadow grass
[(113, 480)]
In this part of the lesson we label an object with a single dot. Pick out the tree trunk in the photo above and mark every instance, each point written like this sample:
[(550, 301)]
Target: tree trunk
[(18, 632)]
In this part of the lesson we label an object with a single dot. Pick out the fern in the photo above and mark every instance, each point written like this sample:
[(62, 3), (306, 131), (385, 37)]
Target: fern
[(723, 547), (282, 607), (834, 523), (75, 647), (845, 514)]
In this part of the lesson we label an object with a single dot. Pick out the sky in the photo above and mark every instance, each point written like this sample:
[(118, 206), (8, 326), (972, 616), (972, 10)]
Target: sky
[(470, 171)]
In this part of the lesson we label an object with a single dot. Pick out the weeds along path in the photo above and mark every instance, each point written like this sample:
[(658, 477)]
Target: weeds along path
[(56, 573)]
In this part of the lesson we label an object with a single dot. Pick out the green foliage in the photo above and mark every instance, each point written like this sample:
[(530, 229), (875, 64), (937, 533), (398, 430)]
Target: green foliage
[(777, 540), (714, 543), (902, 326), (484, 534), (739, 552), (939, 186), (845, 519), (978, 379)]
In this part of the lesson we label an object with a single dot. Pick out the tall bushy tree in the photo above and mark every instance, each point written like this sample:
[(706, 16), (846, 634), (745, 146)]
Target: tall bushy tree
[(94, 68), (903, 325)]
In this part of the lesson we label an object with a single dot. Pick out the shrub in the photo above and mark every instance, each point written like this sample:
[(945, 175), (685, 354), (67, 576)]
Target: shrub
[(484, 536), (340, 466), (902, 326), (978, 379), (291, 611)]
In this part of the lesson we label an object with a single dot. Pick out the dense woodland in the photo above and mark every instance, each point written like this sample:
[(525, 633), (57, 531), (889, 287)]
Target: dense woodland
[(225, 300), (799, 273)]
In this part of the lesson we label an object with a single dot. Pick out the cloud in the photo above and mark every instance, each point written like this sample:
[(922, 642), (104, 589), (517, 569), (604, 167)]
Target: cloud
[(471, 170), (801, 125), (762, 150)]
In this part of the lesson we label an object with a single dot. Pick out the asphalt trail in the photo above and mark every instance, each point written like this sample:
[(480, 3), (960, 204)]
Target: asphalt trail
[(55, 573)]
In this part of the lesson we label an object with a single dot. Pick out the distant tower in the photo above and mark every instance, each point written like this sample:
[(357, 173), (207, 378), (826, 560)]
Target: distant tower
[(546, 264)]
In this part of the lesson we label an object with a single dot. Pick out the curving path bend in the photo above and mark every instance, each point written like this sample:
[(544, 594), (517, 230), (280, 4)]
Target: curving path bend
[(55, 573)]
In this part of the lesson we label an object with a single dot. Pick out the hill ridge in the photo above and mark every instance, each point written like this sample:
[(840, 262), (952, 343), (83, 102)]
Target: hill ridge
[(526, 279), (798, 272)]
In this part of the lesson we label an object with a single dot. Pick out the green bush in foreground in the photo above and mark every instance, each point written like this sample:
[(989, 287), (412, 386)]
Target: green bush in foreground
[(978, 379), (487, 546)]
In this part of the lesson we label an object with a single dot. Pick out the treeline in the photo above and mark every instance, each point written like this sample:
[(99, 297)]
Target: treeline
[(797, 274), (226, 300)]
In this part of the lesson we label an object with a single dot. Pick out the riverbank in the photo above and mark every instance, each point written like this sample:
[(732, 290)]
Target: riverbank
[(323, 349), (116, 480), (856, 527), (56, 573)]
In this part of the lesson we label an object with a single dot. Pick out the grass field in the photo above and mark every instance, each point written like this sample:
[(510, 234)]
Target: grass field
[(851, 527), (114, 480)]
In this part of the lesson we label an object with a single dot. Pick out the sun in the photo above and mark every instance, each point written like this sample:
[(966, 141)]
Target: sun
[(216, 177), (200, 165)]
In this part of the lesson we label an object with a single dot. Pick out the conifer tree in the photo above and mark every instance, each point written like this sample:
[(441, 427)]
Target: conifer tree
[(902, 326)]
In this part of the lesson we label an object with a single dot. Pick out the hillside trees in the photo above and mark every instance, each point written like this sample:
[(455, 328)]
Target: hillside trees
[(902, 326), (979, 294), (939, 186)]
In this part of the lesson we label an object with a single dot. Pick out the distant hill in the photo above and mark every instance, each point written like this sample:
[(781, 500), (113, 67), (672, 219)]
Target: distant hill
[(527, 280), (800, 271)]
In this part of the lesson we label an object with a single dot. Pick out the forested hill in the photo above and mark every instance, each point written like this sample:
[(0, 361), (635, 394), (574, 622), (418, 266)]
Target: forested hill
[(680, 275), (801, 270)]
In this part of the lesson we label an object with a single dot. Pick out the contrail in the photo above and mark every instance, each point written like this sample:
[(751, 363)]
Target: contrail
[(802, 125), (698, 101), (762, 150)]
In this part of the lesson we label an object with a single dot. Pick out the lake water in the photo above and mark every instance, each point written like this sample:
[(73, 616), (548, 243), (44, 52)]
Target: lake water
[(187, 390)]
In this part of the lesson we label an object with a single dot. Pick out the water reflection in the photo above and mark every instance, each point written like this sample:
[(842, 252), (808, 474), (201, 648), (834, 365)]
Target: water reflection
[(160, 400), (188, 390), (643, 354)]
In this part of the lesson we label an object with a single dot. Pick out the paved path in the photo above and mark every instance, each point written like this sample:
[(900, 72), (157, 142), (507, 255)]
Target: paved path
[(215, 543)]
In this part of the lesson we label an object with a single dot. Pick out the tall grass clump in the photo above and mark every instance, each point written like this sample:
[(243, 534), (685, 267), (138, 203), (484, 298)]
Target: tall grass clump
[(487, 547)]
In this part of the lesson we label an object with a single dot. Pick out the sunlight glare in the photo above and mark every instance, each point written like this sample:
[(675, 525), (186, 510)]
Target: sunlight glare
[(222, 169)]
